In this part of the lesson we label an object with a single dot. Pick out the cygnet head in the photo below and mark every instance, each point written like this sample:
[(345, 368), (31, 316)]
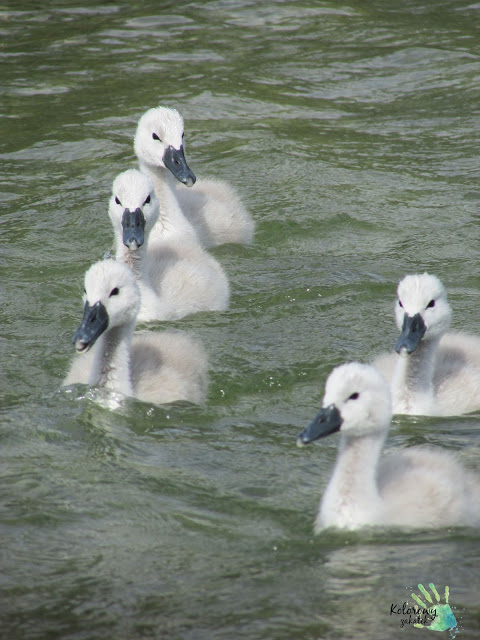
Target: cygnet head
[(159, 143), (357, 403), (421, 311), (112, 299), (133, 207)]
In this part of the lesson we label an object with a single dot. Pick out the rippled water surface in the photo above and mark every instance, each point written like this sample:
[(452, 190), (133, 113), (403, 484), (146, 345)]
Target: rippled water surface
[(351, 130)]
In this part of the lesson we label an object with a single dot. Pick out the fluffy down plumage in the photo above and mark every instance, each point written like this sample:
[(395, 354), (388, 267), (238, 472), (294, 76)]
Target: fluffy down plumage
[(413, 487)]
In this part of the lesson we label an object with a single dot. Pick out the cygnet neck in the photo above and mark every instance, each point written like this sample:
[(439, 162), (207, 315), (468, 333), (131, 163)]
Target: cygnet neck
[(412, 381), (172, 222), (136, 260), (352, 497), (357, 461), (153, 305), (111, 366)]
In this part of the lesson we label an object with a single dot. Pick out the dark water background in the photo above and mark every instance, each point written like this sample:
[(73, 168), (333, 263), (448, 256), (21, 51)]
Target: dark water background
[(351, 130)]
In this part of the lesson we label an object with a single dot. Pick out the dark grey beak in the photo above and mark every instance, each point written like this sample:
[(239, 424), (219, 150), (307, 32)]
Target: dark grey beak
[(94, 323), (133, 223), (327, 421), (413, 330), (174, 160)]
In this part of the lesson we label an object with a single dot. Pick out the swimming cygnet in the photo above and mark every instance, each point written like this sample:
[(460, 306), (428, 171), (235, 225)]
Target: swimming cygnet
[(158, 367), (435, 372), (413, 487), (176, 277), (212, 208)]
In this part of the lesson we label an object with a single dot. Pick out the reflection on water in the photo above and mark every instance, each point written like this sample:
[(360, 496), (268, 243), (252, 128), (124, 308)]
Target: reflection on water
[(350, 132)]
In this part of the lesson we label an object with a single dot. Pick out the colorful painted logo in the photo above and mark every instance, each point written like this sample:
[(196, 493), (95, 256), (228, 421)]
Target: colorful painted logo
[(444, 618), (428, 613)]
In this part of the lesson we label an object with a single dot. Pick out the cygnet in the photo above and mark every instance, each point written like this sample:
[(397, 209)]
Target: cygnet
[(432, 372), (415, 487), (160, 367), (176, 277), (212, 209)]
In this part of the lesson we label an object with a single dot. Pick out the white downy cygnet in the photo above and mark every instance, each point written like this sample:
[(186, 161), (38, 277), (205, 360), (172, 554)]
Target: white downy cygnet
[(176, 277), (212, 208), (415, 487), (158, 367), (435, 372)]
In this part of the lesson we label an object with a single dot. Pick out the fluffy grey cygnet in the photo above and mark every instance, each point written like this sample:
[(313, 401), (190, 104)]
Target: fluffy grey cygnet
[(414, 487), (158, 367), (211, 209), (434, 372), (175, 275)]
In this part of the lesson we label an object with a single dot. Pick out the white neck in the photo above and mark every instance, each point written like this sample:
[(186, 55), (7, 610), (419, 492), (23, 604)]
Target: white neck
[(171, 221), (153, 306), (111, 363), (351, 498), (412, 380), (136, 261)]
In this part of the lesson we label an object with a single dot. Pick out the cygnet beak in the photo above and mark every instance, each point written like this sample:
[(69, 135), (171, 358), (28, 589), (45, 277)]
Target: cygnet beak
[(94, 323), (174, 160), (413, 330), (133, 223), (328, 420)]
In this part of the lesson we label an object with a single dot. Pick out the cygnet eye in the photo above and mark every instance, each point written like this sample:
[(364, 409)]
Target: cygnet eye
[(114, 292), (155, 137), (354, 396), (431, 304), (400, 303), (117, 200), (147, 200)]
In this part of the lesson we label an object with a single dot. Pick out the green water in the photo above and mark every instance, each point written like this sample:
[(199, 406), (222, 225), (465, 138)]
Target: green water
[(351, 131)]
